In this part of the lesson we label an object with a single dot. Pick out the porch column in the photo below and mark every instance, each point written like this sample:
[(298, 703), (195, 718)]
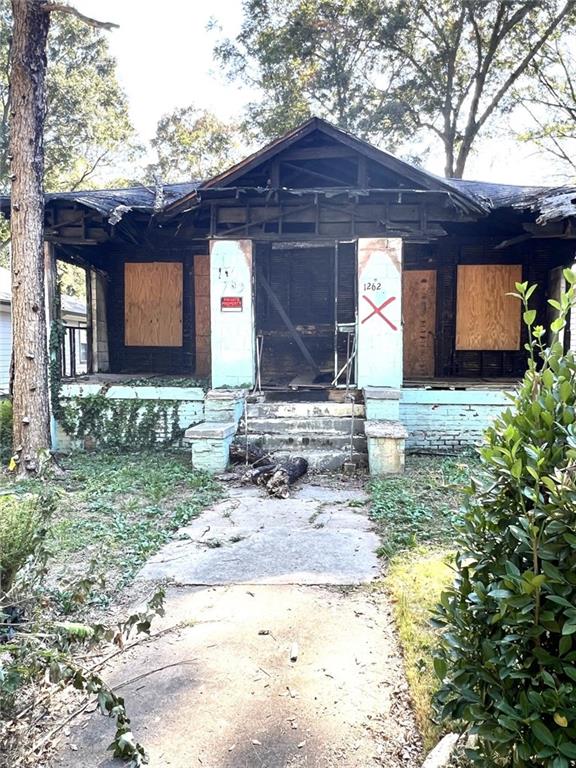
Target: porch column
[(379, 355), (231, 313)]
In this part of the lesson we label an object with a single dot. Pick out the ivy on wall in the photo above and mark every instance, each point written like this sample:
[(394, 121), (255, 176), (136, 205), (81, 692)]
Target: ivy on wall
[(120, 424), (112, 424)]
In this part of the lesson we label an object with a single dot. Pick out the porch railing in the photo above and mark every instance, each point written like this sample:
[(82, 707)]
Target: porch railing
[(74, 351)]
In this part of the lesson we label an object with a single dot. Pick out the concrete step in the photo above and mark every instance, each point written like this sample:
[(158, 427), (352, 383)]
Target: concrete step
[(291, 426), (304, 410), (297, 443), (326, 460)]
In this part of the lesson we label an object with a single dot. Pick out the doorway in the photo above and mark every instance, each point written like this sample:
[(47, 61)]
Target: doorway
[(305, 313)]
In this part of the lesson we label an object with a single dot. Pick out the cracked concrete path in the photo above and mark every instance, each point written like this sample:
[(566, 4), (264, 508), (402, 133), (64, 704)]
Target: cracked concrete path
[(321, 535), (220, 690)]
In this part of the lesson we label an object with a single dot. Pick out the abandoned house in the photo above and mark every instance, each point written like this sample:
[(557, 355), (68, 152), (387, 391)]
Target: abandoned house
[(321, 292)]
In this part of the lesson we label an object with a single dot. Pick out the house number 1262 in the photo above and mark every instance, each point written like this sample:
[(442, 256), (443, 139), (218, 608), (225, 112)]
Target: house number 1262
[(372, 286)]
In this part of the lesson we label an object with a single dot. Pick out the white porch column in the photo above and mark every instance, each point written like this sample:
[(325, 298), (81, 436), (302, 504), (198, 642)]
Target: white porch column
[(379, 356), (231, 313)]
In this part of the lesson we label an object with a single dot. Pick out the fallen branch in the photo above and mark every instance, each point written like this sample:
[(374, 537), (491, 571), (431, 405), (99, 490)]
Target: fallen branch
[(242, 453), (278, 477), (59, 687)]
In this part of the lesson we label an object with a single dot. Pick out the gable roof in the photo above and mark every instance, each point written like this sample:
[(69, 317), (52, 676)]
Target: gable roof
[(479, 197), (410, 172)]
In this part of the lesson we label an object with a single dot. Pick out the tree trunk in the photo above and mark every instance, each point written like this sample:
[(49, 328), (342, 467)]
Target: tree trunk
[(31, 405)]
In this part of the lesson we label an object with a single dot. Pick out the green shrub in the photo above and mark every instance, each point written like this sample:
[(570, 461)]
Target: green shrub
[(508, 656), (5, 430), (20, 521)]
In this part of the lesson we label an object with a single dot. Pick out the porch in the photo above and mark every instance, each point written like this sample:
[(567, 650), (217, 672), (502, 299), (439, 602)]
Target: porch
[(357, 326)]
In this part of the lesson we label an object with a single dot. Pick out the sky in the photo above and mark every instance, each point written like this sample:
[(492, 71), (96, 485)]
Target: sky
[(164, 56)]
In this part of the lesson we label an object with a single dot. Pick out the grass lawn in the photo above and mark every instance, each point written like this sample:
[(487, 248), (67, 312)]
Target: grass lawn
[(415, 513), (113, 512)]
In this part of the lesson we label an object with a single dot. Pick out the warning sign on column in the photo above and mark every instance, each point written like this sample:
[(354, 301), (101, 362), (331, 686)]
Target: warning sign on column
[(231, 304)]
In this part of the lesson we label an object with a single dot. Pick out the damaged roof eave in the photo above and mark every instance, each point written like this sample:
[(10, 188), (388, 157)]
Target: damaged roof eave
[(460, 202), (551, 205)]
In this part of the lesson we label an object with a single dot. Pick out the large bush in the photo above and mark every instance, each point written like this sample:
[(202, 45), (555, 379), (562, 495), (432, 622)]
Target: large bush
[(508, 655)]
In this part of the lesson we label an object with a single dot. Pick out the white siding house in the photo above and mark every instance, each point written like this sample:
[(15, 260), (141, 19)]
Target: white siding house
[(73, 314)]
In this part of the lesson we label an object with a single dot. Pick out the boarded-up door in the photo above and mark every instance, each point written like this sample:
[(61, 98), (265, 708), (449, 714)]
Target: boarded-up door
[(487, 317), (419, 316), (153, 304)]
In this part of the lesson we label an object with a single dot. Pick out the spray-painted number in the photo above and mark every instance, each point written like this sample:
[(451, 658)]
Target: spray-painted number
[(372, 286)]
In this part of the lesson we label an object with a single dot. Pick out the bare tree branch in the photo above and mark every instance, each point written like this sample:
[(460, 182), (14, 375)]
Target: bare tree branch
[(89, 171), (64, 8)]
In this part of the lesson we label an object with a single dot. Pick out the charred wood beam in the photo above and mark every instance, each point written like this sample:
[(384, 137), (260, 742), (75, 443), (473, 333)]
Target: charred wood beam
[(267, 219), (313, 153), (315, 174)]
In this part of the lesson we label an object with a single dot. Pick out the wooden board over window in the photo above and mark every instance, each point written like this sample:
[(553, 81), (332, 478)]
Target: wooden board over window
[(419, 316), (153, 304), (486, 318)]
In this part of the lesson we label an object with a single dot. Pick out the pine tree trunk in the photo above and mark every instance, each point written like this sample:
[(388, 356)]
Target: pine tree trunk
[(31, 405)]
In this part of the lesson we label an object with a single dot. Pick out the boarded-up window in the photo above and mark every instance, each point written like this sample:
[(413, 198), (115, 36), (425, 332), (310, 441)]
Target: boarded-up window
[(419, 316), (153, 304), (486, 318)]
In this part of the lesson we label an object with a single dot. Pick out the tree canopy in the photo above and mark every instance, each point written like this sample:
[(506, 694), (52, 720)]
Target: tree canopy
[(192, 143), (87, 128), (551, 104), (394, 69)]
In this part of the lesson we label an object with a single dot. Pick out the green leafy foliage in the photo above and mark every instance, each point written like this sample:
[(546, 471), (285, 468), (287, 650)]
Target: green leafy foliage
[(390, 70), (120, 424), (5, 429), (192, 144), (21, 523), (508, 656), (87, 128)]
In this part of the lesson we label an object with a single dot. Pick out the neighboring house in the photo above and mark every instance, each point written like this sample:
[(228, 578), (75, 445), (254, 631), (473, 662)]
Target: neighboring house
[(75, 347), (319, 263)]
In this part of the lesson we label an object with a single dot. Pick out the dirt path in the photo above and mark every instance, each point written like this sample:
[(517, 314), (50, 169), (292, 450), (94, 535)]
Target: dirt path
[(252, 578)]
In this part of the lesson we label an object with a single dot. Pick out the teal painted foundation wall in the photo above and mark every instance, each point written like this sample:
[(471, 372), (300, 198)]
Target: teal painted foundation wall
[(447, 421)]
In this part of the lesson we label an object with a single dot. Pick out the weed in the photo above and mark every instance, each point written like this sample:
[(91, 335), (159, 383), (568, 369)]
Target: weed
[(21, 520), (420, 506), (5, 429), (116, 511), (415, 582)]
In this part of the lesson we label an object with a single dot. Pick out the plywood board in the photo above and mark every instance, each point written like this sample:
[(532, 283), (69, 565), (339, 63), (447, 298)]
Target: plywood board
[(419, 322), (202, 313), (486, 318), (153, 304)]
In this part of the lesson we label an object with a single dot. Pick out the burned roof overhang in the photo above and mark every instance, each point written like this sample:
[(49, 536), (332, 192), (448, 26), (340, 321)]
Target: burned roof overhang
[(551, 205), (114, 204)]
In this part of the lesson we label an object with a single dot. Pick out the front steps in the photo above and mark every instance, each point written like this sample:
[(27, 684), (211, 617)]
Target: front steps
[(319, 431)]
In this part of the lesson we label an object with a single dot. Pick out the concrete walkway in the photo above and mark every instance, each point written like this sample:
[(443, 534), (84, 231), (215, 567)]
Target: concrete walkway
[(256, 582)]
